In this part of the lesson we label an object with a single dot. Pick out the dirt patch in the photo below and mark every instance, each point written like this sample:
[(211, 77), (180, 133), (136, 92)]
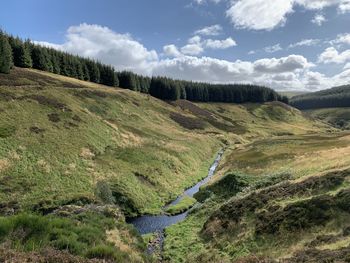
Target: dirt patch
[(188, 122), (37, 130), (191, 107), (54, 117), (50, 102)]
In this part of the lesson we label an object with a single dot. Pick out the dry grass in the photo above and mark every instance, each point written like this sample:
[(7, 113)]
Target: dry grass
[(4, 164)]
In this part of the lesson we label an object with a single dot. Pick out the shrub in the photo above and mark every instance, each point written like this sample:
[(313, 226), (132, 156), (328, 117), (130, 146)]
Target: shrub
[(6, 227), (33, 226), (106, 252), (104, 192), (7, 131), (227, 186), (69, 243)]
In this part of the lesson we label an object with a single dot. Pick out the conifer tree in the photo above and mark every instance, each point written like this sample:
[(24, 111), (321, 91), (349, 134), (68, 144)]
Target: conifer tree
[(40, 58), (5, 54), (22, 56)]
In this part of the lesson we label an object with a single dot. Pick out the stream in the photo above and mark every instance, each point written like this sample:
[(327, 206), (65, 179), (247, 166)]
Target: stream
[(157, 223)]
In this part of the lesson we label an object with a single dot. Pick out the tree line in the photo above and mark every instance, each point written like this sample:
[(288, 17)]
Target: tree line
[(331, 98), (26, 54)]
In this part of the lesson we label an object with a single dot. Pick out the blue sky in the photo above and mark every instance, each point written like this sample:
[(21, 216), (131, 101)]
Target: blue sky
[(285, 44)]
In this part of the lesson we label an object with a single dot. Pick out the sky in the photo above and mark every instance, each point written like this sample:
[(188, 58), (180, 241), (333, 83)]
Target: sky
[(288, 45)]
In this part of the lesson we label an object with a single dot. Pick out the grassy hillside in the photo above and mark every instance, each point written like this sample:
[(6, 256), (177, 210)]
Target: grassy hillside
[(330, 98), (281, 198), (75, 153), (337, 117), (291, 94), (71, 138)]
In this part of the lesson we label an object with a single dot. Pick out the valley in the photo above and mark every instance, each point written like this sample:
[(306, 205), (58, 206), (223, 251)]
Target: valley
[(78, 158)]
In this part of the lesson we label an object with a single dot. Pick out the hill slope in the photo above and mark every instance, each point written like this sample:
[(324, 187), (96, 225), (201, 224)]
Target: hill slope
[(93, 153), (334, 97), (282, 199)]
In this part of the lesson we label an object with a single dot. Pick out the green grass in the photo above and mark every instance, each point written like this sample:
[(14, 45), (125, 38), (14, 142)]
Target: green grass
[(68, 142), (99, 134), (338, 117), (83, 234), (185, 203), (267, 166)]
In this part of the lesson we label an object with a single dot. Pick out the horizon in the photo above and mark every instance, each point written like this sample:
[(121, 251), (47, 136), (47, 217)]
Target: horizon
[(298, 45)]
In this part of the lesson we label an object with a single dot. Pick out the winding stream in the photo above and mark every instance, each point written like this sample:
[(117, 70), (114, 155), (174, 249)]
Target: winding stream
[(149, 223)]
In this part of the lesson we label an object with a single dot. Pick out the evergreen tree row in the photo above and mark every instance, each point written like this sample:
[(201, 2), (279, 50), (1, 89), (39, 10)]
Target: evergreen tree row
[(330, 98), (26, 54)]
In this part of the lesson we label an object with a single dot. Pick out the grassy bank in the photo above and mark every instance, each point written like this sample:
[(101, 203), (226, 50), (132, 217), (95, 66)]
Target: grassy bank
[(185, 203)]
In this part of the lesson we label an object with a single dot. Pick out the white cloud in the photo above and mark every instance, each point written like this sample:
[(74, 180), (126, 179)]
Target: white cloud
[(284, 64), (214, 30), (318, 19), (171, 51), (49, 45), (305, 42), (196, 46), (331, 55), (259, 14), (195, 40), (341, 39), (204, 69), (200, 2), (220, 44), (268, 14), (192, 49), (121, 50), (344, 7), (347, 66), (272, 49), (317, 4)]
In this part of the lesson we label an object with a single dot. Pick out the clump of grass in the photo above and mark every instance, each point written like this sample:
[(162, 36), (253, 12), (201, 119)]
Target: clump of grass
[(185, 203), (107, 253), (227, 186), (7, 131), (104, 192), (81, 234)]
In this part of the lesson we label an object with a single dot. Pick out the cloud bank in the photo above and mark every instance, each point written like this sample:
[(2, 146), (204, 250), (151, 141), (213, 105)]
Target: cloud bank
[(268, 14), (292, 72)]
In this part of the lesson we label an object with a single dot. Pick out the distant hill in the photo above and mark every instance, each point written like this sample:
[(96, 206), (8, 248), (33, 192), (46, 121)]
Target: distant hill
[(291, 94), (330, 98)]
